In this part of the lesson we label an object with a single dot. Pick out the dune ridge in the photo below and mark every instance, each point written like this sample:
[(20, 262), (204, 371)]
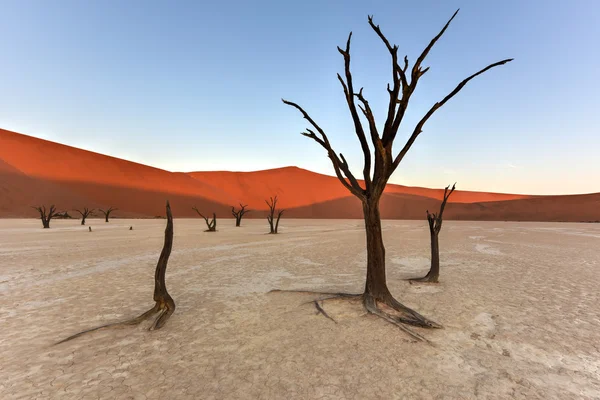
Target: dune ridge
[(36, 171)]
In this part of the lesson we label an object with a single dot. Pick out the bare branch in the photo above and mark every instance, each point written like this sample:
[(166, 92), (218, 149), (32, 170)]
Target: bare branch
[(419, 127), (416, 69), (360, 133), (349, 181)]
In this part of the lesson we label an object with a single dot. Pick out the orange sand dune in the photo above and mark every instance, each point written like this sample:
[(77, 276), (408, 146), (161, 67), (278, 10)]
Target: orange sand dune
[(568, 208), (298, 187), (35, 171)]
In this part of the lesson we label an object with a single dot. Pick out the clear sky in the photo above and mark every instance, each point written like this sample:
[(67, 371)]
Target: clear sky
[(197, 85)]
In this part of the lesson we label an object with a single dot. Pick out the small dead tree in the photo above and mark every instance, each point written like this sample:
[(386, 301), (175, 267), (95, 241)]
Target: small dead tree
[(107, 213), (63, 215), (272, 203), (85, 213), (377, 298), (212, 225), (435, 226), (164, 304), (46, 216), (239, 214)]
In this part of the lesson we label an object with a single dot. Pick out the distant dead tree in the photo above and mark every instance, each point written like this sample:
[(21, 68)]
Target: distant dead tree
[(63, 215), (85, 213), (239, 214), (435, 225), (107, 213), (376, 297), (46, 216), (272, 203), (212, 225), (164, 303)]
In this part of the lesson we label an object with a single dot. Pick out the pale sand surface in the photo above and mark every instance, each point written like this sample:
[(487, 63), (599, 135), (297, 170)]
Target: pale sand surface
[(520, 303)]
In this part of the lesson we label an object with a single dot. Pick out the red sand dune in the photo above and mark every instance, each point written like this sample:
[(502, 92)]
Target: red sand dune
[(35, 172)]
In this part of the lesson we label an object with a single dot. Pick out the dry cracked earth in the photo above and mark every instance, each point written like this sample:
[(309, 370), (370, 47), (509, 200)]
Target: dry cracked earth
[(519, 303)]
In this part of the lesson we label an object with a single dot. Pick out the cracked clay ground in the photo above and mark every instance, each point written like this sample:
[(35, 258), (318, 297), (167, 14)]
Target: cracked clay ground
[(519, 302)]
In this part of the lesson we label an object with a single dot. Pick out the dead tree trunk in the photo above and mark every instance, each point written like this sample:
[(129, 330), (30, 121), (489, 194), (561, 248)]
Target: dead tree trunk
[(164, 304), (107, 213), (435, 226), (239, 214), (86, 213), (376, 297), (273, 224), (46, 216), (212, 225)]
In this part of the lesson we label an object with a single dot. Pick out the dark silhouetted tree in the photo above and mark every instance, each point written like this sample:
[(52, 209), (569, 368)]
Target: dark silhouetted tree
[(273, 224), (46, 216), (164, 304), (107, 213), (435, 226), (376, 297), (239, 214), (63, 215), (212, 225), (85, 213)]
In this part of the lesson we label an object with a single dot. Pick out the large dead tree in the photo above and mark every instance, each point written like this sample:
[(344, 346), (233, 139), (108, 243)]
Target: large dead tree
[(85, 213), (164, 304), (107, 213), (377, 298), (239, 214), (435, 226), (212, 224), (46, 216), (273, 224)]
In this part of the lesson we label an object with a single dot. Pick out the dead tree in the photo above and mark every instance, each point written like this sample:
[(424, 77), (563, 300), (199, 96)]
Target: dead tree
[(435, 225), (376, 297), (107, 213), (63, 215), (46, 216), (85, 213), (212, 225), (164, 304), (271, 217), (239, 214)]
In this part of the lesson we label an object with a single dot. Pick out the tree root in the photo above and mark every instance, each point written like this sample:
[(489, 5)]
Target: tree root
[(322, 311), (424, 279), (388, 309), (164, 311)]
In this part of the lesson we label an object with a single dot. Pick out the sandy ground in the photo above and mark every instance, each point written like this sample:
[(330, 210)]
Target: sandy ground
[(519, 302)]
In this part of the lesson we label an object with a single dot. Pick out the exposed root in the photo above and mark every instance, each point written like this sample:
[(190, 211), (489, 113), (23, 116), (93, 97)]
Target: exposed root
[(322, 311), (389, 309), (129, 322), (333, 294), (424, 279), (372, 308)]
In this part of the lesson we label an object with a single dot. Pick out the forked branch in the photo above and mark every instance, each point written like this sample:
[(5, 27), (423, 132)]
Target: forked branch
[(347, 179), (212, 225)]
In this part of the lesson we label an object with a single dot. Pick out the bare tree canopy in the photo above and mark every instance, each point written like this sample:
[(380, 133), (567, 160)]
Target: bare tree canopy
[(85, 213), (381, 162), (46, 215), (107, 213), (273, 223), (238, 215)]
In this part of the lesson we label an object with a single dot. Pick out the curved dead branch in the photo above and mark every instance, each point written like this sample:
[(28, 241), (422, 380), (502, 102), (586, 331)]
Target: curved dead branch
[(164, 304)]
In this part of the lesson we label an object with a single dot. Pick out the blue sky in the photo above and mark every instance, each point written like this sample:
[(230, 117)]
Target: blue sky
[(197, 86)]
